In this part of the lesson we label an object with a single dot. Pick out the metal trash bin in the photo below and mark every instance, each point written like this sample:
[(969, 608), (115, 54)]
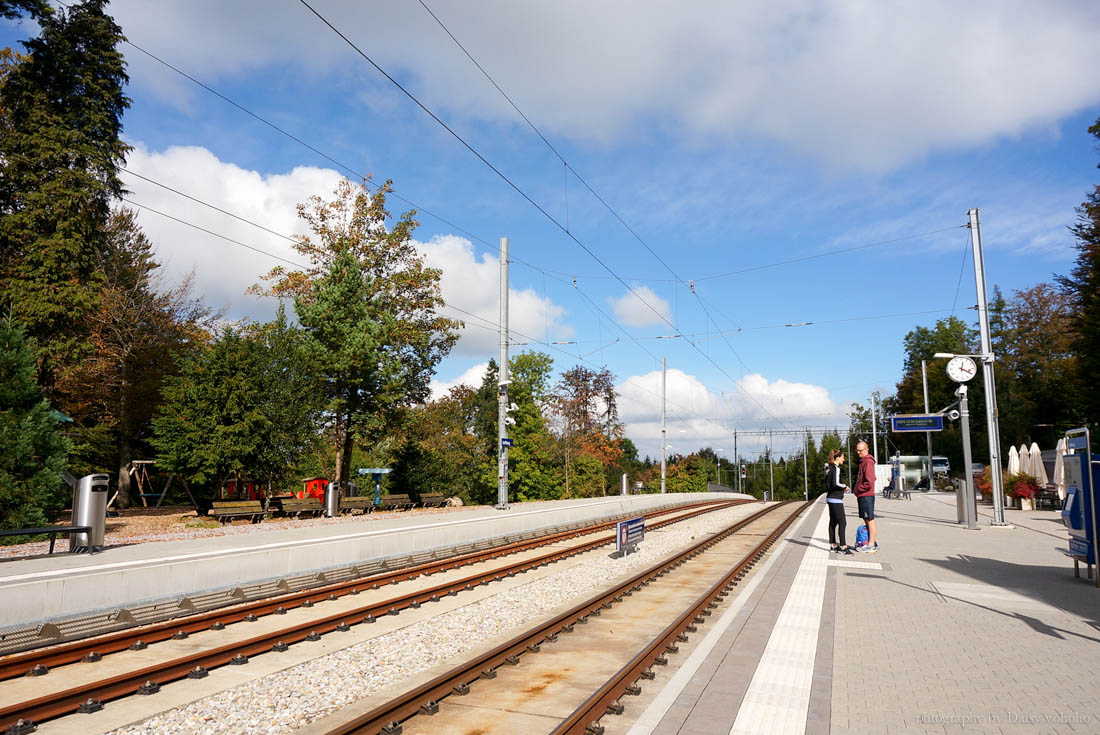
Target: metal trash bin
[(89, 509), (332, 500)]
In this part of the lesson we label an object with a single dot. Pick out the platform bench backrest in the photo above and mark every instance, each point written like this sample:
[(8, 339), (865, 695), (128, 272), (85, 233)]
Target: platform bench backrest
[(226, 511), (400, 502), (363, 503), (433, 500), (298, 506)]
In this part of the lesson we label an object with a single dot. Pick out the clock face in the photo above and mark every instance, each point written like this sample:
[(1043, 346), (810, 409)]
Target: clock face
[(961, 369)]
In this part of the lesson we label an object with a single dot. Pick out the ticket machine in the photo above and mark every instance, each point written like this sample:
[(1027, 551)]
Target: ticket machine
[(1082, 477)]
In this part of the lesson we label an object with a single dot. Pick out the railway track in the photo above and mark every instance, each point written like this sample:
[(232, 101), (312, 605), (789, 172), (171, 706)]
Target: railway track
[(91, 695), (529, 688)]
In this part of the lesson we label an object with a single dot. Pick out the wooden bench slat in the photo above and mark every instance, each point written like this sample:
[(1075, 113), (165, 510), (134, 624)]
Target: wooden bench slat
[(396, 501), (228, 509)]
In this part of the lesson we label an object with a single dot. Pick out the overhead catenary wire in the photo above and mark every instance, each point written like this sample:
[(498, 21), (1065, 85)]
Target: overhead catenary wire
[(489, 323)]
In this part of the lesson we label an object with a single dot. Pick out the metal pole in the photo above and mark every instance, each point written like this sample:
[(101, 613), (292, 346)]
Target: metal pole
[(771, 465), (848, 455), (805, 471), (502, 383), (970, 506), (664, 441), (624, 485), (736, 460), (927, 434), (874, 430), (991, 417)]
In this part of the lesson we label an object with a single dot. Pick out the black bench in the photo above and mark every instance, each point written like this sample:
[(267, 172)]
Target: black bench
[(51, 530), (297, 506), (1048, 495), (433, 500), (399, 502), (226, 511), (365, 504)]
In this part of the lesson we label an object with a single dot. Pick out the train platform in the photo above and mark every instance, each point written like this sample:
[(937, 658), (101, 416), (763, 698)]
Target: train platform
[(944, 630), (47, 588)]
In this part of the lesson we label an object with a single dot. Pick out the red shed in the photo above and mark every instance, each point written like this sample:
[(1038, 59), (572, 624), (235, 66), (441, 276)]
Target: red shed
[(313, 487)]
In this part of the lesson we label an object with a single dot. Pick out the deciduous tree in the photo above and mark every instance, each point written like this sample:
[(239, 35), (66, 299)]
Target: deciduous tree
[(370, 303)]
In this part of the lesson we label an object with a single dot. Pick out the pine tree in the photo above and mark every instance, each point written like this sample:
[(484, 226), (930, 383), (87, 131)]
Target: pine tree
[(1083, 288), (61, 111), (32, 451)]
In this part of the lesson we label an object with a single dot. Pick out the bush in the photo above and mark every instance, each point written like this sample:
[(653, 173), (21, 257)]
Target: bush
[(1022, 486)]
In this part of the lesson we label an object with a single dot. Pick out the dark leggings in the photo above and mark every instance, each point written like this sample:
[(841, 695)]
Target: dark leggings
[(836, 519)]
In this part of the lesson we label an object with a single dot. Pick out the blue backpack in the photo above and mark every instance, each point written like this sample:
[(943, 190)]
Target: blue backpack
[(862, 536)]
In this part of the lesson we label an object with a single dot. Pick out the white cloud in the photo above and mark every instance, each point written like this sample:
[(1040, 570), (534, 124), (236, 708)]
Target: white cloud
[(641, 307), (859, 85), (473, 285), (471, 377), (223, 270), (698, 417)]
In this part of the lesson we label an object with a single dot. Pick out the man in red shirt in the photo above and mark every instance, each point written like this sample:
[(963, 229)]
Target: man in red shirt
[(864, 491)]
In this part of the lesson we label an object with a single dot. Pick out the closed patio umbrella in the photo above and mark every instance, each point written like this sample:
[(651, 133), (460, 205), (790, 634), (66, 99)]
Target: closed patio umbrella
[(1038, 466), (1059, 478), (1025, 459), (1013, 461)]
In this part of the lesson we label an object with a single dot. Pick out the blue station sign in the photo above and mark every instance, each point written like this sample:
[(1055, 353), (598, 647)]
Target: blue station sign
[(628, 534), (506, 442), (917, 422)]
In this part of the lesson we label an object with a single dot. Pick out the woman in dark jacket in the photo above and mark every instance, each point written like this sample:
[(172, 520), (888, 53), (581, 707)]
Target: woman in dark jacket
[(834, 499)]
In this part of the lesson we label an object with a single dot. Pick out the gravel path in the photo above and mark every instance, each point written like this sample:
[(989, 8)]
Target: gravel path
[(287, 700)]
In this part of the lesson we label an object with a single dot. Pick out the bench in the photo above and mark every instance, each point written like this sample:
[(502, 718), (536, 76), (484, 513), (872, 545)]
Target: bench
[(299, 506), (398, 502), (433, 500), (1049, 495), (364, 504), (227, 510), (51, 530)]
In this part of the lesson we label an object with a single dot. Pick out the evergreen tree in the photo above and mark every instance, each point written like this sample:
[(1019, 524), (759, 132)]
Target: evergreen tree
[(212, 420), (32, 451), (61, 111), (1082, 285), (248, 407)]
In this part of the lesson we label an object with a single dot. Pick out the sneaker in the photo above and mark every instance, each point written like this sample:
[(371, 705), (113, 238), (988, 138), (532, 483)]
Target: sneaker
[(846, 550), (833, 548), (872, 549)]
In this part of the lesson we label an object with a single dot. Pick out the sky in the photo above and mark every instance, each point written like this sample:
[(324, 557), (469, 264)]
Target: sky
[(678, 181)]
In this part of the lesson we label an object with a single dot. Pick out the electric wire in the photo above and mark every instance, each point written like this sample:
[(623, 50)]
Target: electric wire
[(962, 269), (494, 326)]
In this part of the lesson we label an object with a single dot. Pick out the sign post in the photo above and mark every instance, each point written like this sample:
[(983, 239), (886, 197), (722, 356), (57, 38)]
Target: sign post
[(628, 534)]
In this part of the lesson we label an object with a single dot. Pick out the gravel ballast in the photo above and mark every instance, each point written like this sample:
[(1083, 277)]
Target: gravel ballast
[(294, 697)]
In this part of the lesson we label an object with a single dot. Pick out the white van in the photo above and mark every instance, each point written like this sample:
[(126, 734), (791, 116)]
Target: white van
[(941, 466)]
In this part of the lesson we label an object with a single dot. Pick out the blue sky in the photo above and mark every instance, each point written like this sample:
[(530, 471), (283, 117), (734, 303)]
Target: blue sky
[(729, 138)]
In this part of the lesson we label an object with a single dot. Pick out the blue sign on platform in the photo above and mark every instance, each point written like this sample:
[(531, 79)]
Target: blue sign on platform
[(506, 442), (629, 534), (917, 422)]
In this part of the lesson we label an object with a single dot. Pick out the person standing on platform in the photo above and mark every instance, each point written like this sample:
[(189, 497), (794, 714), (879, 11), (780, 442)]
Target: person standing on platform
[(834, 500), (865, 496)]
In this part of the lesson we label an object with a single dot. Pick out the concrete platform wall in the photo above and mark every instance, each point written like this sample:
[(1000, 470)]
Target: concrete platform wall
[(153, 571)]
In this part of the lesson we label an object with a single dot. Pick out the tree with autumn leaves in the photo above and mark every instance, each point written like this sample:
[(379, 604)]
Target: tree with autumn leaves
[(370, 304)]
